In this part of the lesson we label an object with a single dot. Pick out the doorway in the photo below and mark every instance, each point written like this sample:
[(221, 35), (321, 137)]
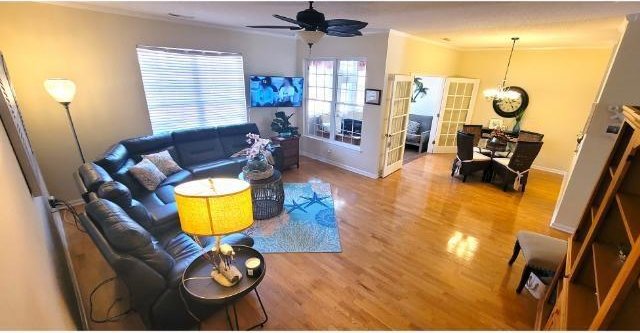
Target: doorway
[(426, 99)]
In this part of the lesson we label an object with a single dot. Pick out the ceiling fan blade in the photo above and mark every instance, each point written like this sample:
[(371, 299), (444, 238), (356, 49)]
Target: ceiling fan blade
[(356, 25), (274, 27), (290, 20), (344, 34)]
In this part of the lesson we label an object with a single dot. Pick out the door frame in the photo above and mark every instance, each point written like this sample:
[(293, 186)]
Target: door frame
[(438, 123), (434, 120)]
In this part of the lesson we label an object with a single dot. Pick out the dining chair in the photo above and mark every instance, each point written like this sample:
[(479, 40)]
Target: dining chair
[(468, 161), (530, 136), (476, 130), (514, 171), (542, 254)]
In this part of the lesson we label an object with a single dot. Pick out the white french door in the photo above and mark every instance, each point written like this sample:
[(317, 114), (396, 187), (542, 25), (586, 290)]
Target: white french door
[(398, 116), (456, 109)]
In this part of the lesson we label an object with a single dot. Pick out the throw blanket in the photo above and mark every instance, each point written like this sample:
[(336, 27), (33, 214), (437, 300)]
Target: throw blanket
[(245, 152)]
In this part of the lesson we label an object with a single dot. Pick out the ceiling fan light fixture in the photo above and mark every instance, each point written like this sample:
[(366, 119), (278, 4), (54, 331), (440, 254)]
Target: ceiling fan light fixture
[(310, 37)]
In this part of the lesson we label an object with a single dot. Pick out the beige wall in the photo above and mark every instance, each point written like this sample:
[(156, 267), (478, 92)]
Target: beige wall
[(31, 294), (98, 52), (411, 55), (562, 84)]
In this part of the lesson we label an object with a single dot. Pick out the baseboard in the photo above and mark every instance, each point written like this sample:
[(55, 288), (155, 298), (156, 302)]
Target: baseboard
[(552, 170), (339, 165), (563, 228), (76, 202)]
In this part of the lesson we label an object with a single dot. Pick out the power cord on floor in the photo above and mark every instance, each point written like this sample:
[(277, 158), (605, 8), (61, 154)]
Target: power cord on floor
[(57, 203), (108, 319)]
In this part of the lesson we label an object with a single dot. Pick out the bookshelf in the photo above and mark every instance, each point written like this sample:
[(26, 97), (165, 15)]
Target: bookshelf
[(597, 286)]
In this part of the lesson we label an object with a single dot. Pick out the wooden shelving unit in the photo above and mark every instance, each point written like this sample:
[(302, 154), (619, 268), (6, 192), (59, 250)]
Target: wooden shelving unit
[(598, 286)]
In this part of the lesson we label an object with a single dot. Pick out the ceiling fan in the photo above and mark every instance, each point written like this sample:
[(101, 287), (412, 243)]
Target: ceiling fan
[(313, 26)]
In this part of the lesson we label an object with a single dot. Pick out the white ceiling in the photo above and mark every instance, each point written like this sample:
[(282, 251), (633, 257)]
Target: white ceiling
[(466, 24)]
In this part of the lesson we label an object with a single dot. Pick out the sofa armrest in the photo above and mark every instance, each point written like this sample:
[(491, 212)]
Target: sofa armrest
[(424, 140)]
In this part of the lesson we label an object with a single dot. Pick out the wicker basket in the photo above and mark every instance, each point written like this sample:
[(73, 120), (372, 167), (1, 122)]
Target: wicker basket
[(256, 174)]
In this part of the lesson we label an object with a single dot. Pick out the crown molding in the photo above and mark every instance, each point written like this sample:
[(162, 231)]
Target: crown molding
[(606, 46), (122, 12), (424, 40)]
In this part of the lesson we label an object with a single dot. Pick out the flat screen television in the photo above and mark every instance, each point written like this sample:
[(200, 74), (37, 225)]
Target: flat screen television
[(275, 91)]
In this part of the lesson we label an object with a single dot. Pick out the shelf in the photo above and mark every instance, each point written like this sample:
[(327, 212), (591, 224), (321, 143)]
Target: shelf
[(573, 250), (630, 207), (582, 306), (607, 265), (627, 317)]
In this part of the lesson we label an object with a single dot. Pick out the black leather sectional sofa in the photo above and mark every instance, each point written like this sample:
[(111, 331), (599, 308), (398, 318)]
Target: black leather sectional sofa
[(138, 231)]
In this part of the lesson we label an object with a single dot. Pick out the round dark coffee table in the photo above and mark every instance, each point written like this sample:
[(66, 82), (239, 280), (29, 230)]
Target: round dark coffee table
[(199, 285), (267, 195)]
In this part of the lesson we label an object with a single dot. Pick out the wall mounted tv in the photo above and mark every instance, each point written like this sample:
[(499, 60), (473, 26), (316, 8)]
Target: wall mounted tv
[(276, 91)]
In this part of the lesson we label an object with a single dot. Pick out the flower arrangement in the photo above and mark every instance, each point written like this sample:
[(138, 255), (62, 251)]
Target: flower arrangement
[(258, 146)]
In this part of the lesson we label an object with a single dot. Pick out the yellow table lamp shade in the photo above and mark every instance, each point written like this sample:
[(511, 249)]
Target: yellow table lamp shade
[(214, 207)]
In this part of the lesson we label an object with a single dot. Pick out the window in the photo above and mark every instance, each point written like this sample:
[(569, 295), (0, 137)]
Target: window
[(335, 99), (191, 88)]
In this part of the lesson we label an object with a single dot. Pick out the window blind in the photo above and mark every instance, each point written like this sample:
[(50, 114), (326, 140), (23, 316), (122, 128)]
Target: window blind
[(191, 88)]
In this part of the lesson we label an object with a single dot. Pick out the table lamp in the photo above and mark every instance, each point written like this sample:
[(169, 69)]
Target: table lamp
[(216, 207), (63, 91)]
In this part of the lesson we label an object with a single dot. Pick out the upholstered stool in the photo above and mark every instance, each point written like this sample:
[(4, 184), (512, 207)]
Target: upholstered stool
[(541, 254)]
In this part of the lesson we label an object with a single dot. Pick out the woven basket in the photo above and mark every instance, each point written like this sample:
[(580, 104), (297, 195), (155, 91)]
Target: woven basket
[(256, 174)]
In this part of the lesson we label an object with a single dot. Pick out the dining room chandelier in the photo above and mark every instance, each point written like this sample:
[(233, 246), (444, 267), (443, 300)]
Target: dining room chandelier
[(502, 91)]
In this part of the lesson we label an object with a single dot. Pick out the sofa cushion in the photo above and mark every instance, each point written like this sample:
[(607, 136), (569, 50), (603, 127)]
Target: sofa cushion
[(147, 174), (114, 158), (196, 146), (415, 138), (115, 192), (127, 236), (164, 162), (93, 176), (162, 207), (225, 167), (177, 178), (234, 137)]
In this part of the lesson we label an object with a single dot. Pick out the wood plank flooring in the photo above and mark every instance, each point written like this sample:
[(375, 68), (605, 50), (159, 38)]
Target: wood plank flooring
[(421, 250)]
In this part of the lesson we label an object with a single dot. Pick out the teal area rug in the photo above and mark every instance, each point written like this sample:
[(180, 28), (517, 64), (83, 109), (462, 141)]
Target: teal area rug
[(307, 223)]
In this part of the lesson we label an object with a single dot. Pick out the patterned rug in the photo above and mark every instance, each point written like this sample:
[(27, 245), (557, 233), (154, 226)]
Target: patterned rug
[(307, 223)]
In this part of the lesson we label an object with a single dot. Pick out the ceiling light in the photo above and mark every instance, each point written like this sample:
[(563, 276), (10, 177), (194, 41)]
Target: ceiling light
[(502, 90), (310, 37)]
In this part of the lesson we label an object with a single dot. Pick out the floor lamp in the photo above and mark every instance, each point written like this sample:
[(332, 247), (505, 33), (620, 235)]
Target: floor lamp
[(63, 91)]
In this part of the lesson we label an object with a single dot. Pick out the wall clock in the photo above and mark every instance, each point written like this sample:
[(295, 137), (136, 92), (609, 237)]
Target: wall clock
[(512, 107)]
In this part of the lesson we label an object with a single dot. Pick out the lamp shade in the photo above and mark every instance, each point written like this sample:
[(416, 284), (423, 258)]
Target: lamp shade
[(310, 37), (214, 207), (62, 90)]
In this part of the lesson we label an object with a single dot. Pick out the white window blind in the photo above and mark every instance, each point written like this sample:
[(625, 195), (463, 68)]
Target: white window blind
[(192, 88)]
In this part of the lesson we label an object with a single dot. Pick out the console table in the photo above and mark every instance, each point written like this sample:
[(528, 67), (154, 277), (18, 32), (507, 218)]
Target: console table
[(290, 150)]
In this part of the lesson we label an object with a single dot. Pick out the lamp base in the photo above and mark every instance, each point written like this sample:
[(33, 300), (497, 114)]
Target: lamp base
[(228, 277)]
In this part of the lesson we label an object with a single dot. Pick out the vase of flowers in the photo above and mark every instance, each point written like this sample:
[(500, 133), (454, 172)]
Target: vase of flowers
[(256, 156)]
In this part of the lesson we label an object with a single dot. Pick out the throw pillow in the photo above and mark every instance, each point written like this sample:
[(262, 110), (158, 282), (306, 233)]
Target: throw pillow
[(164, 162), (147, 174), (413, 127)]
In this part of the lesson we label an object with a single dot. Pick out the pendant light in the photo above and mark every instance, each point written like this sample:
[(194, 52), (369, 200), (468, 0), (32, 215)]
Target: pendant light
[(501, 91)]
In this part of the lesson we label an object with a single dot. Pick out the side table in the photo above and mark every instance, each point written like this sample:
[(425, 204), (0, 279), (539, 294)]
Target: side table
[(267, 195), (199, 285), (290, 150)]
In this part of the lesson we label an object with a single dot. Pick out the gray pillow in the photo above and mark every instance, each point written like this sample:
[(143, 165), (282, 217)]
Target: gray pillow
[(164, 162), (413, 127), (147, 174)]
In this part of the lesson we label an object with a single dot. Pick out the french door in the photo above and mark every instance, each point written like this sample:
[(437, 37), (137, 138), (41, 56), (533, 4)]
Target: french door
[(456, 109), (398, 116)]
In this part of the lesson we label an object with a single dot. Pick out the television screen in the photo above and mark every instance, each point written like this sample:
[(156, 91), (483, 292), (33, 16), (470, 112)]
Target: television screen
[(276, 91)]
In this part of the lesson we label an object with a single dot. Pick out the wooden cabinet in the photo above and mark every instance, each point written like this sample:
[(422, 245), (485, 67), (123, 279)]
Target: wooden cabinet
[(600, 287), (290, 150)]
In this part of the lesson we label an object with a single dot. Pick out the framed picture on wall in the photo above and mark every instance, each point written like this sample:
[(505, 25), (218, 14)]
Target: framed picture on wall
[(495, 123), (372, 96)]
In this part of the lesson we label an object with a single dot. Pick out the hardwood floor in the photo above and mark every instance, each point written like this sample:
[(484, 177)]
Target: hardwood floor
[(421, 250)]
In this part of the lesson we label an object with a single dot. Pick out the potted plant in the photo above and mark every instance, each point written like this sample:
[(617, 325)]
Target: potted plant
[(282, 126)]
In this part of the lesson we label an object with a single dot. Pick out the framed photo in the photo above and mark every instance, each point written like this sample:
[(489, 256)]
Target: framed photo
[(372, 96), (495, 123)]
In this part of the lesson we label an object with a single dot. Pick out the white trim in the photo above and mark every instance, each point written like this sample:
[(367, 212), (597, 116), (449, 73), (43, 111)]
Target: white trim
[(552, 170), (606, 46), (334, 142), (563, 228), (339, 165), (425, 40)]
